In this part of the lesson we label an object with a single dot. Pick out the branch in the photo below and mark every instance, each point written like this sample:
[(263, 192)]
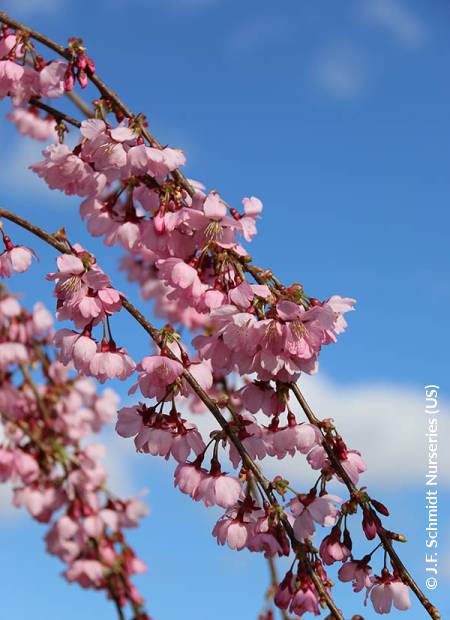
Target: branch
[(48, 451), (57, 115), (247, 461), (79, 103), (257, 273), (39, 401), (102, 87), (274, 580), (382, 534)]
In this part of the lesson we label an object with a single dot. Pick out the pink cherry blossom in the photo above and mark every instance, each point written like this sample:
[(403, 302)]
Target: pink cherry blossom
[(358, 572), (106, 148), (87, 573), (285, 591), (332, 549), (111, 362), (51, 80), (387, 591), (310, 509), (293, 438), (10, 76), (15, 258), (29, 123), (188, 477), (41, 503), (75, 348), (159, 434), (62, 169), (179, 274), (157, 375), (260, 397), (12, 353), (233, 531), (219, 489)]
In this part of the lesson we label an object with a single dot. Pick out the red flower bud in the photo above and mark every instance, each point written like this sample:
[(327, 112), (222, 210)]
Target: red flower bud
[(379, 507)]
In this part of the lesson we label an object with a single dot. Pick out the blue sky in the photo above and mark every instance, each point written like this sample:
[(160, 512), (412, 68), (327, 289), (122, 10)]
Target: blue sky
[(337, 116)]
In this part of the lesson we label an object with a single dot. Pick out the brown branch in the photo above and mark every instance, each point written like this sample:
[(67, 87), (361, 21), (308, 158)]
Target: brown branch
[(257, 274), (247, 461), (49, 452), (117, 605), (103, 88), (57, 114), (80, 103), (39, 401), (382, 534), (274, 580)]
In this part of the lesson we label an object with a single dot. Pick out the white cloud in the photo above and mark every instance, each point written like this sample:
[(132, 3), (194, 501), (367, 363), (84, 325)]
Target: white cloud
[(118, 463), (397, 19), (14, 162), (386, 423), (17, 179), (341, 72)]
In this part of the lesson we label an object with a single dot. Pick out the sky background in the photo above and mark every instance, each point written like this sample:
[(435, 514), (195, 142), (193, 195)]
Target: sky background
[(337, 115)]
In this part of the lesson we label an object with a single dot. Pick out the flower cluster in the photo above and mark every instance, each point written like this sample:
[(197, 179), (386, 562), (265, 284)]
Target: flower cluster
[(58, 480), (185, 247)]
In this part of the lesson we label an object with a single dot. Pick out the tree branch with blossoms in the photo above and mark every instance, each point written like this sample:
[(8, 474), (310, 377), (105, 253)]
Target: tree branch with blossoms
[(159, 336), (183, 248), (56, 479)]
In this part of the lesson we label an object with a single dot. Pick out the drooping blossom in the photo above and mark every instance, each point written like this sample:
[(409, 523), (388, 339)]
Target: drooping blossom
[(310, 509), (388, 591)]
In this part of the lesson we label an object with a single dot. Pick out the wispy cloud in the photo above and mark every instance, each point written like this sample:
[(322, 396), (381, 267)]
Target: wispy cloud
[(397, 19), (341, 72), (386, 422), (17, 179)]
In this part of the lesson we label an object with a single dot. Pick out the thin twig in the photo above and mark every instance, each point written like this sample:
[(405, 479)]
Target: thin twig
[(80, 103), (274, 580), (39, 401), (103, 88), (383, 536), (57, 114)]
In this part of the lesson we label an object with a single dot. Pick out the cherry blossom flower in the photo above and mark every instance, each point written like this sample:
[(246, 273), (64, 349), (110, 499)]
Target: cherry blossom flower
[(218, 489), (10, 76), (64, 170), (358, 572), (87, 573), (188, 477), (310, 509), (233, 530), (157, 374), (159, 434), (332, 549), (387, 591), (29, 123), (14, 258), (110, 362)]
